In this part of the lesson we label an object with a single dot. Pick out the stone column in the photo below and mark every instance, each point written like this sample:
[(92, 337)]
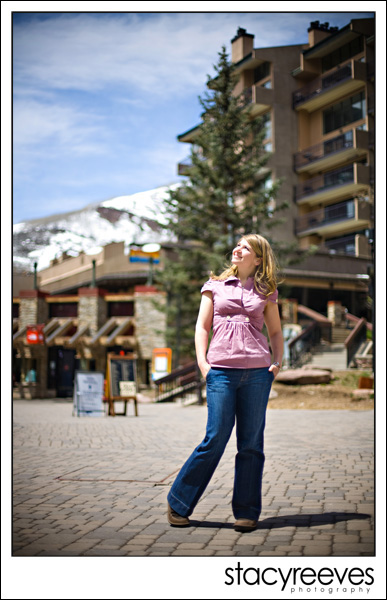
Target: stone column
[(150, 321), (335, 312), (92, 311), (289, 310), (33, 308), (92, 308), (33, 311)]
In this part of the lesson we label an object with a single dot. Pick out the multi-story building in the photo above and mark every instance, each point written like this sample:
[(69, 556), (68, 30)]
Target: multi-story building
[(317, 100)]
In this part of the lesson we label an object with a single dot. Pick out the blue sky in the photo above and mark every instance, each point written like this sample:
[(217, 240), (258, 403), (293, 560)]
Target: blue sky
[(99, 98)]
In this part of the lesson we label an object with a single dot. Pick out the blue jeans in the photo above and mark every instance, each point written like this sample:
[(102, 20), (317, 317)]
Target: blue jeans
[(240, 394)]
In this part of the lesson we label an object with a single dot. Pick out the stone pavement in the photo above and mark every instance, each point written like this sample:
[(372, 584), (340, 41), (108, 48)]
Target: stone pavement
[(98, 486)]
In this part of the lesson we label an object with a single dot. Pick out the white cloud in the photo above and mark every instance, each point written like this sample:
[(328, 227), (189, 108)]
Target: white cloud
[(56, 125), (158, 54), (86, 52)]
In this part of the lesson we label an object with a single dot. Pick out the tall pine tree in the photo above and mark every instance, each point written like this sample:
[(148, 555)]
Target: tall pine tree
[(226, 194)]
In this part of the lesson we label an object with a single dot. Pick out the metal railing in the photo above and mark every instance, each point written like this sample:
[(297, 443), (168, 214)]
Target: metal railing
[(342, 211), (345, 244), (322, 84), (324, 182), (323, 149), (357, 336), (301, 346), (179, 383)]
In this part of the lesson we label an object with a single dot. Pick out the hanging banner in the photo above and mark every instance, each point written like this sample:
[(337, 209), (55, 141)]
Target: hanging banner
[(88, 394), (35, 334)]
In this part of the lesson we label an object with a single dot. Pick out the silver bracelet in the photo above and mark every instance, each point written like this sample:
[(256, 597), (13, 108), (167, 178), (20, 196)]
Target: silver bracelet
[(276, 364)]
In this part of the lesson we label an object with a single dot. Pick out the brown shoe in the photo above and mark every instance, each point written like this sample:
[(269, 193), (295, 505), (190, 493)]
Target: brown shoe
[(175, 519), (245, 525)]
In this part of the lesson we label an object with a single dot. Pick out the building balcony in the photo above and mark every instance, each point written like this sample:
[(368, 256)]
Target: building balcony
[(331, 87), (261, 99), (190, 135), (355, 244), (335, 219), (351, 180), (184, 166), (349, 146)]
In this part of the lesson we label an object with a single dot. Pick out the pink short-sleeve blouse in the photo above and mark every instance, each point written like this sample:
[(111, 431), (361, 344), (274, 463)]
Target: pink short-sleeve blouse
[(238, 341)]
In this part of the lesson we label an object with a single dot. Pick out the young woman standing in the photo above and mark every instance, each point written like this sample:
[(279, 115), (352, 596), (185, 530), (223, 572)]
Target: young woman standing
[(239, 372)]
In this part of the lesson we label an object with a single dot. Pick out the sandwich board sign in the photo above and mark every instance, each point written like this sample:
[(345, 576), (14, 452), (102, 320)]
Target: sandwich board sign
[(121, 380), (88, 394)]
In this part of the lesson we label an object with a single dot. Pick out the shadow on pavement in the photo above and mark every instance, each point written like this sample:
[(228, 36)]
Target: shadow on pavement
[(307, 520)]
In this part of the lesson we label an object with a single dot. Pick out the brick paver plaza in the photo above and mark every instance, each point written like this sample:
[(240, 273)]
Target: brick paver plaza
[(98, 486)]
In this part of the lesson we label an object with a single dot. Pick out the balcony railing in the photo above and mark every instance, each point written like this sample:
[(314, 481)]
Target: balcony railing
[(327, 82), (349, 140), (343, 245), (323, 182), (325, 216)]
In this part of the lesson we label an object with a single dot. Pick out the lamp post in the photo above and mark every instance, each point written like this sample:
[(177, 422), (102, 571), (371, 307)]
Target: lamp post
[(150, 249)]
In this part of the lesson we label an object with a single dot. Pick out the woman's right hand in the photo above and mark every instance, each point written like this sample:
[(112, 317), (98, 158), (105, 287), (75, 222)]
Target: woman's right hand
[(204, 368)]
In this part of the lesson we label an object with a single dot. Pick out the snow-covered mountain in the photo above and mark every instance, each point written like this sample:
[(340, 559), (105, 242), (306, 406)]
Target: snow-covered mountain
[(132, 219)]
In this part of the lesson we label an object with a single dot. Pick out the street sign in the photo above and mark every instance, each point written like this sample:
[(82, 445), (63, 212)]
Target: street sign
[(138, 255), (161, 362)]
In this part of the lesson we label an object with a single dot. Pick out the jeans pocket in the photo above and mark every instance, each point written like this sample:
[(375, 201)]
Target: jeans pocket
[(208, 372)]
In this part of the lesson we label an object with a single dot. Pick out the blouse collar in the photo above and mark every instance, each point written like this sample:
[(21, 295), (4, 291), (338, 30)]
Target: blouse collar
[(234, 278)]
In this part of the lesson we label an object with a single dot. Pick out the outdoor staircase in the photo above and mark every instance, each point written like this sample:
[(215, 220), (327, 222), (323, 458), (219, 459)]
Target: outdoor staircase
[(329, 356), (333, 355), (184, 385), (340, 334)]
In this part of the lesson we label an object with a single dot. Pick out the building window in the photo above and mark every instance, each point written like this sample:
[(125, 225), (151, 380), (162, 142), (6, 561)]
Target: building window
[(267, 124), (63, 310), (342, 54), (266, 118), (343, 113), (262, 72), (266, 186), (121, 309)]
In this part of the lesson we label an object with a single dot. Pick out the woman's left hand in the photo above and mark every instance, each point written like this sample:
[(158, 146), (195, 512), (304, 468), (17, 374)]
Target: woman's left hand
[(275, 370)]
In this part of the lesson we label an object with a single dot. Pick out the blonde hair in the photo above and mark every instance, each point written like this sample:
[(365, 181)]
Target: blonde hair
[(266, 273)]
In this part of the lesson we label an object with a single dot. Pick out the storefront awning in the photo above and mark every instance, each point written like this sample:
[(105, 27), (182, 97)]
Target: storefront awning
[(19, 333), (79, 333), (113, 329), (59, 331)]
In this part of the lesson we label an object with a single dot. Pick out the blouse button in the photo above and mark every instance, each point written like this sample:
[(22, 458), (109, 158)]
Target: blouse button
[(247, 319), (228, 317)]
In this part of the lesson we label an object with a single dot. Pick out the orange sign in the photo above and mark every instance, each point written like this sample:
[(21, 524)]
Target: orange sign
[(161, 362)]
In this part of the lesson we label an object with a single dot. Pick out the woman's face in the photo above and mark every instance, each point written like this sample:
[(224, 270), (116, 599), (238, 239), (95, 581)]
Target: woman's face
[(244, 256)]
